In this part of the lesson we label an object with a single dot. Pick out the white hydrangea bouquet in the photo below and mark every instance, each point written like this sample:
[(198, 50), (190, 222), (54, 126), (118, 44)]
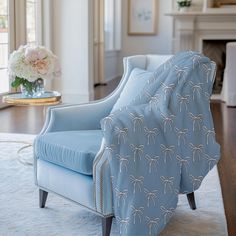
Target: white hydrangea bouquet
[(30, 66)]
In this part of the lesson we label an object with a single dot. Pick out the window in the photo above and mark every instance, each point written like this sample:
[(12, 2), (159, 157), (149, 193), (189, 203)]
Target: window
[(112, 26), (4, 46), (31, 22), (17, 27)]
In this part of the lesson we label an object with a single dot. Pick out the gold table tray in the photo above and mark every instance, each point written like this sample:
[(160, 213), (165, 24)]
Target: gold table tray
[(47, 98)]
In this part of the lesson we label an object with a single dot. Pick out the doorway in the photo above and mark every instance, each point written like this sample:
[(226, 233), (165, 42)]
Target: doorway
[(98, 45)]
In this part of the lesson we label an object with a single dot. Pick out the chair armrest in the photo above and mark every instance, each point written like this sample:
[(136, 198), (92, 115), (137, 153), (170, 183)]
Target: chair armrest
[(101, 167), (102, 183), (76, 117), (88, 116)]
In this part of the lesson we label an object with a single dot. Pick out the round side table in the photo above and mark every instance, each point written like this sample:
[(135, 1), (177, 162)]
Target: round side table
[(47, 98)]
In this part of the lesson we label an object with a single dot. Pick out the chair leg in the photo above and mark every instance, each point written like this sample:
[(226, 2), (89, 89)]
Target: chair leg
[(191, 200), (106, 225), (42, 198)]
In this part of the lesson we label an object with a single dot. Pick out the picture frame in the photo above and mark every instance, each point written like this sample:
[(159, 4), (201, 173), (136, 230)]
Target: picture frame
[(142, 17)]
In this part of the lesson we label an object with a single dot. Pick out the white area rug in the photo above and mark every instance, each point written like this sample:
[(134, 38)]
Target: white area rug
[(20, 215)]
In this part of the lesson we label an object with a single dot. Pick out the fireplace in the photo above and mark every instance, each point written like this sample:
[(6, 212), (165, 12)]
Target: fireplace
[(216, 50), (207, 32)]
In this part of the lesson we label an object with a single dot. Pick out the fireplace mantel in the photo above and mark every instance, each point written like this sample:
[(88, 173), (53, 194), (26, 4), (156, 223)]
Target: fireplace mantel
[(191, 28)]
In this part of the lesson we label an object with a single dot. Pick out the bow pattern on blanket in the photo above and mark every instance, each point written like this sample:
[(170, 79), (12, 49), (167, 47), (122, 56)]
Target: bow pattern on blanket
[(162, 144)]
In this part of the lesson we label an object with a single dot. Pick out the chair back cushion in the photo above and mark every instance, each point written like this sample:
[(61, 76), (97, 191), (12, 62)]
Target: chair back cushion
[(154, 61), (138, 70), (133, 87)]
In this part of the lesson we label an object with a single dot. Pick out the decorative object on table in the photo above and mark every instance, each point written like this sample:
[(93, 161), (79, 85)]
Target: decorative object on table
[(30, 67), (142, 17), (183, 5)]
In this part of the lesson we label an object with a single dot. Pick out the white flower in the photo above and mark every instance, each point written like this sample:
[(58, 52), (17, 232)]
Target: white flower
[(31, 54), (32, 63)]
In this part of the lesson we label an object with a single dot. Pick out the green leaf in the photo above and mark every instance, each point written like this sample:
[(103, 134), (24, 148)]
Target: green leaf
[(28, 85), (17, 82)]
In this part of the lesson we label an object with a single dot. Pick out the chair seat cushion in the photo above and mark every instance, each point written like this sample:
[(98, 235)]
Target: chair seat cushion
[(74, 150)]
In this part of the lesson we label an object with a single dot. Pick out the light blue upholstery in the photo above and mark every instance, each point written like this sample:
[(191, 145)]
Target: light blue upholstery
[(67, 183), (74, 150), (137, 80), (62, 154)]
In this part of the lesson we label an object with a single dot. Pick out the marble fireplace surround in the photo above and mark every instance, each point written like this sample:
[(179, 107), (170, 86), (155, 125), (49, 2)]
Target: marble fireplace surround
[(191, 29)]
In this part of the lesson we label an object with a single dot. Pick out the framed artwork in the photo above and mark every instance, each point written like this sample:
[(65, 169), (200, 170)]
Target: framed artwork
[(142, 17)]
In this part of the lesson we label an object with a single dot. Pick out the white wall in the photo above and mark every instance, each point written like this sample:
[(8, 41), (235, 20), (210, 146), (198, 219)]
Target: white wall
[(161, 43), (72, 43), (111, 67)]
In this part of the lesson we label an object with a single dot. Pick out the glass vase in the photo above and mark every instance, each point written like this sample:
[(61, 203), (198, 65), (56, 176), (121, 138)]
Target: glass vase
[(33, 89)]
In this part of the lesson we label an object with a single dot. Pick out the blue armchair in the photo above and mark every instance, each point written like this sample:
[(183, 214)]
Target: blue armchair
[(69, 158)]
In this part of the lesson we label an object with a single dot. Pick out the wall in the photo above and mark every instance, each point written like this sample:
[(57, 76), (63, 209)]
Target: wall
[(72, 39), (160, 43), (157, 44), (72, 42), (111, 65)]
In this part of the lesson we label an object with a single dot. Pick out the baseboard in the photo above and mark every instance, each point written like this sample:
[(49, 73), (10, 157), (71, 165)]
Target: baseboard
[(216, 97), (112, 78)]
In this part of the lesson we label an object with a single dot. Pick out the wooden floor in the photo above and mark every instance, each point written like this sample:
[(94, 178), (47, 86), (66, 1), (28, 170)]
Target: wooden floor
[(30, 120), (225, 126)]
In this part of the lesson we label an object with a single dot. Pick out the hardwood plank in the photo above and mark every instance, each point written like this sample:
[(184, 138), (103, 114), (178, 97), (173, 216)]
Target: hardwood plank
[(22, 119), (30, 119), (224, 120), (104, 90)]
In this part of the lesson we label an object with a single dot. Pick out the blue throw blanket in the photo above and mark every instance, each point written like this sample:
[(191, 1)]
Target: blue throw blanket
[(162, 144)]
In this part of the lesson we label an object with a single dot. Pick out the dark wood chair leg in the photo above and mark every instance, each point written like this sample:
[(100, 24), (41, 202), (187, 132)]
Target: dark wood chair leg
[(42, 198), (106, 225), (191, 200)]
